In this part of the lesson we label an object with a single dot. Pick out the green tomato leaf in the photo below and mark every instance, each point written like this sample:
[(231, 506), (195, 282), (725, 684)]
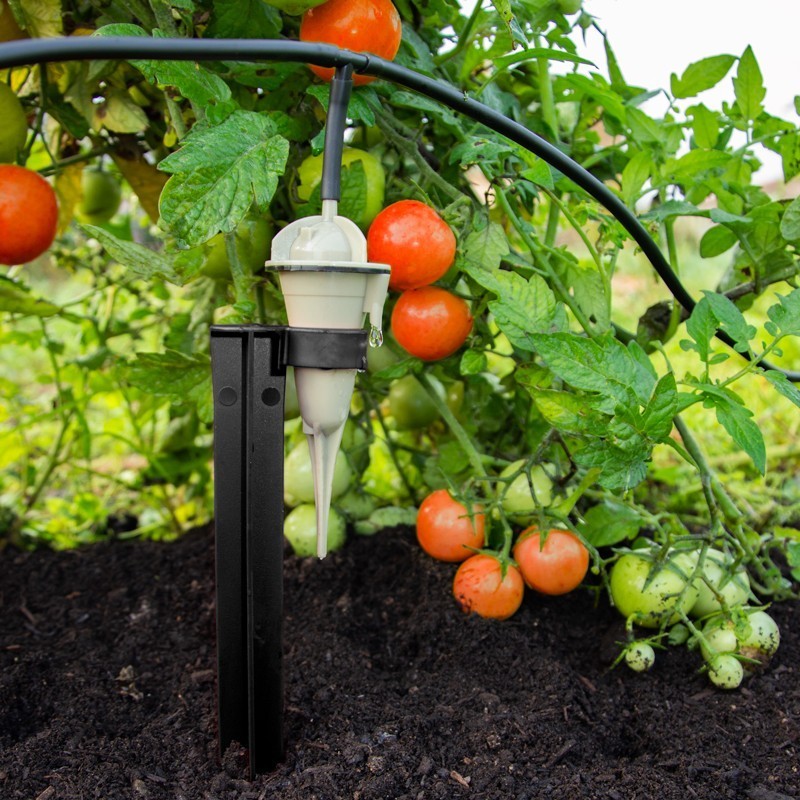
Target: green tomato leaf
[(360, 107), (701, 75), (701, 326), (783, 385), (622, 461), (484, 250), (634, 176), (748, 86), (738, 422), (138, 259), (570, 413), (389, 517), (785, 314), (790, 221), (243, 19), (610, 523), (176, 375), (705, 126), (659, 412), (473, 362), (731, 320), (219, 173), (717, 240), (523, 307), (193, 81), (688, 167), (17, 299)]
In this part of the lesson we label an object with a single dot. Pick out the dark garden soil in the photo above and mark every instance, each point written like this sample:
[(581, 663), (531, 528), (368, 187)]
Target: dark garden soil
[(107, 689)]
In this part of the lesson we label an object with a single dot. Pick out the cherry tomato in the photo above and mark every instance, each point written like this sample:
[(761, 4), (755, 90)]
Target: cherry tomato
[(14, 130), (518, 497), (415, 241), (719, 580), (253, 238), (28, 214), (445, 529), (364, 26), (480, 587), (360, 206), (430, 323), (555, 567), (101, 199)]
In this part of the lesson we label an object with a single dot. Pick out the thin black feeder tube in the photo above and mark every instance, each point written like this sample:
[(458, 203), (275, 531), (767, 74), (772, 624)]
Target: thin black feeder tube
[(341, 88)]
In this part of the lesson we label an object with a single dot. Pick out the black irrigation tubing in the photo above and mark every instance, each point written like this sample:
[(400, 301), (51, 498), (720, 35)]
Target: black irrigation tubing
[(19, 53)]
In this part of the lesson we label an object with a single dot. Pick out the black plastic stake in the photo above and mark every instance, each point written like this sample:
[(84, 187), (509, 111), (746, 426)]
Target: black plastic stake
[(248, 383), (248, 364)]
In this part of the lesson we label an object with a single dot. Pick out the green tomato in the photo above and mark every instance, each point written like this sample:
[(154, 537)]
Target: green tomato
[(725, 671), (570, 7), (102, 195), (412, 408), (518, 498), (655, 601), (300, 530), (379, 358), (640, 656), (758, 640), (410, 405), (14, 130), (734, 589), (356, 505), (294, 7), (253, 238), (361, 206), (298, 476)]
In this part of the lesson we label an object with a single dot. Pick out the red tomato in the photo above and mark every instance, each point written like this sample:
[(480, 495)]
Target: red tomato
[(480, 587), (556, 567), (430, 323), (445, 530), (28, 214), (415, 241), (364, 26)]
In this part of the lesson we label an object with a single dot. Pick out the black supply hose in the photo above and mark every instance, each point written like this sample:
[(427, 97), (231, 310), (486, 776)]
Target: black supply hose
[(18, 53)]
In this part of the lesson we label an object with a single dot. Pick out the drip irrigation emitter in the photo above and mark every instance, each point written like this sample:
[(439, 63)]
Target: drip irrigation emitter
[(329, 286)]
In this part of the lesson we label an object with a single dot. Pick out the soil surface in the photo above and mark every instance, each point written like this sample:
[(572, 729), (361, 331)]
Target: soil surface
[(107, 689)]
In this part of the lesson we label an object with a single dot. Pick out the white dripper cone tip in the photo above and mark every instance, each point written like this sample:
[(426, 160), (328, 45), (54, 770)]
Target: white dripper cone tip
[(323, 448)]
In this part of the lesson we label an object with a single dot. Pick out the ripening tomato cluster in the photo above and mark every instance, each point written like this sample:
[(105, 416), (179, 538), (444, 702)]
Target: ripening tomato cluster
[(486, 583), (429, 322)]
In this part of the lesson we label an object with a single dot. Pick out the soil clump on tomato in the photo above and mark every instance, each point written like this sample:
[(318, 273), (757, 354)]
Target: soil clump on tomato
[(107, 689)]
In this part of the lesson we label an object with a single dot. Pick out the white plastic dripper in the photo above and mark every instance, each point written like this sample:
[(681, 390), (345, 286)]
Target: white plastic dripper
[(327, 282)]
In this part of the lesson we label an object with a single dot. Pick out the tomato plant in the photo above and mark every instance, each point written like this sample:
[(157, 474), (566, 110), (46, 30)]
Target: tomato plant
[(28, 215), (294, 7), (14, 130), (446, 530), (365, 26), (651, 593), (431, 323), (482, 587), (553, 565), (415, 241), (361, 205), (101, 196)]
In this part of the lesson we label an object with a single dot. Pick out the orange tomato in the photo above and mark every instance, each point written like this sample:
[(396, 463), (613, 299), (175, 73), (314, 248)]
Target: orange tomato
[(430, 323), (480, 587), (28, 214), (445, 529), (555, 567), (364, 26), (415, 241)]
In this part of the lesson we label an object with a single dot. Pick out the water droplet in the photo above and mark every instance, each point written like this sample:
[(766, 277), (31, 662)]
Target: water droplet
[(375, 336)]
